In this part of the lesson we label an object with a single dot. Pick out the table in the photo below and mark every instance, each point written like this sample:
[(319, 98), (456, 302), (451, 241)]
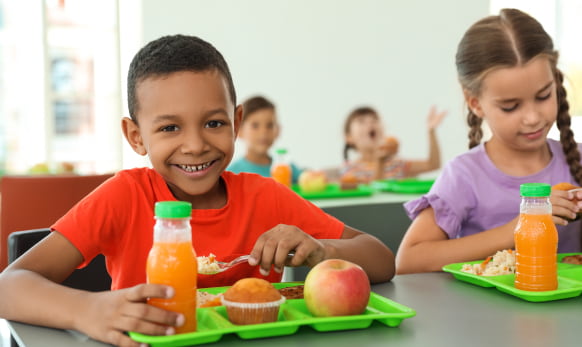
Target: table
[(448, 313), (381, 215)]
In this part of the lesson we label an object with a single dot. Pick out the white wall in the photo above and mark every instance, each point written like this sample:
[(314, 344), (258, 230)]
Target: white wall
[(318, 59)]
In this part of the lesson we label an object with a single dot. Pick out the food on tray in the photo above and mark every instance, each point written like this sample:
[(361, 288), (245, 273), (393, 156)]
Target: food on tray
[(311, 181), (206, 299), (336, 287), (575, 259), (348, 182), (564, 186), (208, 265), (293, 292), (252, 301), (502, 263)]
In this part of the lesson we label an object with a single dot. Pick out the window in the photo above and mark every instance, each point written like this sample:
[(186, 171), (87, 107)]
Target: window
[(60, 94)]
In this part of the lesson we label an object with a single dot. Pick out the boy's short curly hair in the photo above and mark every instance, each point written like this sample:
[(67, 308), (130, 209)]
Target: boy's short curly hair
[(174, 53)]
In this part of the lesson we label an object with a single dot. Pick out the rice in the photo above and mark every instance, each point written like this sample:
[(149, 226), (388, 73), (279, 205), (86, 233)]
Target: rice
[(207, 265), (502, 263)]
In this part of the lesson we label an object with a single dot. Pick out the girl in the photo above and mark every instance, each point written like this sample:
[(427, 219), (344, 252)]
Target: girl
[(507, 67), (364, 133)]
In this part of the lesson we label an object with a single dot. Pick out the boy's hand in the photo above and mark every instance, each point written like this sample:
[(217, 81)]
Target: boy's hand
[(109, 315), (273, 246)]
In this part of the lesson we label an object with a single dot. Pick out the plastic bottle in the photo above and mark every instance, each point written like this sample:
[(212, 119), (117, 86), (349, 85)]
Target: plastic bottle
[(172, 260), (536, 240), (281, 168)]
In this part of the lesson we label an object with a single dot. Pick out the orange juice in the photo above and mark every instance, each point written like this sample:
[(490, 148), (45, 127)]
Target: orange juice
[(172, 261), (281, 169), (174, 264), (536, 240), (282, 174)]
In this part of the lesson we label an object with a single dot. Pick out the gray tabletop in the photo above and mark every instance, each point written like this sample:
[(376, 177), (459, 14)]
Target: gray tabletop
[(448, 313)]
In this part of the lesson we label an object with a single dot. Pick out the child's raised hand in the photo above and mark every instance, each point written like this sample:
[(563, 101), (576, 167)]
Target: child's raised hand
[(110, 314), (272, 248), (434, 118), (565, 205)]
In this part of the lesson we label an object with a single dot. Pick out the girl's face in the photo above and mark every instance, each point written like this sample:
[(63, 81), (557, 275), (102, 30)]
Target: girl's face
[(259, 131), (365, 132), (519, 104)]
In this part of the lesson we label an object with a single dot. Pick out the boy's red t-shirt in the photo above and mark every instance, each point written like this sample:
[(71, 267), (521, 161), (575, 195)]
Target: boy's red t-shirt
[(117, 220)]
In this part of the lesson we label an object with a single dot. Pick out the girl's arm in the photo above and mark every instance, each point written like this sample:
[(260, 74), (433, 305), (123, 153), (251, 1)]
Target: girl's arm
[(433, 162), (426, 247), (30, 292)]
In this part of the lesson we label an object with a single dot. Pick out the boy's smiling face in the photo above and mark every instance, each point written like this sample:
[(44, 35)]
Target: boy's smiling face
[(187, 127)]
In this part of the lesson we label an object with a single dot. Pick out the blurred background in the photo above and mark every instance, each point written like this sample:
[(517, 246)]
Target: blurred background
[(63, 66)]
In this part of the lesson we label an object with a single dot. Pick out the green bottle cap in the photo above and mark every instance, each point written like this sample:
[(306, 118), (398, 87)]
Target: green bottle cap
[(535, 189), (173, 209)]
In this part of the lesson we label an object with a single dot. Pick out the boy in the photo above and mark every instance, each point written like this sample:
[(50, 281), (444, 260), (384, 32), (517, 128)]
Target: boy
[(183, 116), (259, 129)]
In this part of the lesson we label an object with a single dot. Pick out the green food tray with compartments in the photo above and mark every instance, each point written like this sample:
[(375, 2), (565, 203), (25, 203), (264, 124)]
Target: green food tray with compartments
[(569, 281), (333, 190), (213, 322), (404, 186)]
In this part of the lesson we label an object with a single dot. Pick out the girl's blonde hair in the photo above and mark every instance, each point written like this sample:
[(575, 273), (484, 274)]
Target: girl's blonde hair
[(512, 38)]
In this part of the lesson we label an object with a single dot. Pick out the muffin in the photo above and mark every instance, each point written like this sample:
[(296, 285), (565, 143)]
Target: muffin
[(348, 182), (252, 301)]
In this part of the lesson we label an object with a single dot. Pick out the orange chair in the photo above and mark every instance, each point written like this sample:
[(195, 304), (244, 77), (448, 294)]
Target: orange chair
[(31, 202)]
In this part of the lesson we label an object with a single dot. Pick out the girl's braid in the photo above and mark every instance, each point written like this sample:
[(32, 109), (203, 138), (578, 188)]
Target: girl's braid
[(569, 145), (475, 131)]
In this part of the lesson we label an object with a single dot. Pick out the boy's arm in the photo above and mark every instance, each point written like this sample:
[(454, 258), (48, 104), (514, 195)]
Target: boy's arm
[(365, 250), (30, 292)]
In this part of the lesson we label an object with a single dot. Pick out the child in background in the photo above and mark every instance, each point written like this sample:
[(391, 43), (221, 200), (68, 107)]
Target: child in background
[(259, 130), (364, 133), (507, 67), (184, 116)]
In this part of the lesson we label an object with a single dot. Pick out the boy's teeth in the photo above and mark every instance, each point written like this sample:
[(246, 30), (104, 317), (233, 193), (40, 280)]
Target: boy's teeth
[(193, 168)]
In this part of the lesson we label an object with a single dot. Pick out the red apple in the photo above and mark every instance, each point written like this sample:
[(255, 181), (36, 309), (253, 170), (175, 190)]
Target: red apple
[(312, 181), (336, 287)]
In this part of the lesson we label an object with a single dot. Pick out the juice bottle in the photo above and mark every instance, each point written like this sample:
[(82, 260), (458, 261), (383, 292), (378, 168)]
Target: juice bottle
[(172, 260), (281, 169), (536, 240)]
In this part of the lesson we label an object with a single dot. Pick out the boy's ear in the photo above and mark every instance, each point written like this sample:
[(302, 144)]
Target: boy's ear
[(238, 112), (133, 136), (473, 103)]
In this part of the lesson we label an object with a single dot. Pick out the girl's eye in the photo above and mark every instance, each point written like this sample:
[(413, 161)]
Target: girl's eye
[(509, 109), (214, 124), (544, 97), (169, 128)]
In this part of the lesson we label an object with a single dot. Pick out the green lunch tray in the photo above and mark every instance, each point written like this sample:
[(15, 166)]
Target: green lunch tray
[(569, 281), (406, 185), (213, 322), (333, 190)]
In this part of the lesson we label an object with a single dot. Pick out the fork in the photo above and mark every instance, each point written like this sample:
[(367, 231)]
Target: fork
[(238, 260)]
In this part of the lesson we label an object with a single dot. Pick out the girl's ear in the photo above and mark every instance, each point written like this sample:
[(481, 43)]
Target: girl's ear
[(132, 135), (473, 103)]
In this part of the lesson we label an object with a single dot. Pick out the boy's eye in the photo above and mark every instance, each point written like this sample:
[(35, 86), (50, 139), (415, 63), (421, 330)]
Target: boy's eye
[(214, 124), (169, 128)]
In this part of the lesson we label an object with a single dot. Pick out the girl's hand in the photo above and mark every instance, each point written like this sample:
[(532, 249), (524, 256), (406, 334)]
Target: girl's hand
[(565, 205), (109, 315), (434, 118), (273, 246)]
